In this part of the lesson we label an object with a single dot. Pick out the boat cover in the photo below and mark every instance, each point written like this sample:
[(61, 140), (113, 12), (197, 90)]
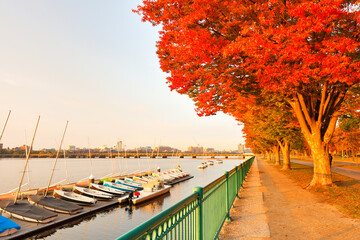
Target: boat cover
[(6, 224), (55, 203), (27, 210)]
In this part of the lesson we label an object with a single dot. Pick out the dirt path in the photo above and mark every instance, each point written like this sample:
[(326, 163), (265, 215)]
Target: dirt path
[(294, 213)]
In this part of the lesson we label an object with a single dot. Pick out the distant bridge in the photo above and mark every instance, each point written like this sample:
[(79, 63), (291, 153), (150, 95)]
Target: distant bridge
[(128, 155)]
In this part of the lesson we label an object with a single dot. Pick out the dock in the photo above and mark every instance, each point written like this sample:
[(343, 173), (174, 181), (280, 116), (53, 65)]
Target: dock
[(29, 229)]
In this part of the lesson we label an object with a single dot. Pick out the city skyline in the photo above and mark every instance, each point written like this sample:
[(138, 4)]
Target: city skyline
[(94, 64)]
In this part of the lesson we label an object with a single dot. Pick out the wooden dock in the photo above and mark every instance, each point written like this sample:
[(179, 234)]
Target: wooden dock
[(29, 229)]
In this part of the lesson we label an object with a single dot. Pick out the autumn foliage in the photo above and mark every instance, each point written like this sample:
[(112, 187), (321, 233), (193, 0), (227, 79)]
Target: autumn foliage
[(303, 53)]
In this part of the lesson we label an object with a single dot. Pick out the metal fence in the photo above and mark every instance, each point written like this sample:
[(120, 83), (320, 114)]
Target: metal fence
[(208, 206)]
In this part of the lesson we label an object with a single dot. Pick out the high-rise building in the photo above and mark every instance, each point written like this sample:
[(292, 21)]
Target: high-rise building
[(241, 148), (119, 146)]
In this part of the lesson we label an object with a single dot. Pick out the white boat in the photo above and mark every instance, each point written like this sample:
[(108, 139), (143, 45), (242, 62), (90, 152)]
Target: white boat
[(145, 195), (105, 189), (210, 162), (218, 161), (74, 197), (202, 166), (92, 193)]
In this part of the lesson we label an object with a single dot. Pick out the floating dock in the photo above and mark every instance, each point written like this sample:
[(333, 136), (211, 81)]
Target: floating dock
[(29, 229)]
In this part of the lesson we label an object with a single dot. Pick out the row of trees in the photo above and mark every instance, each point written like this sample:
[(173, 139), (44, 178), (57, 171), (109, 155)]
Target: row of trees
[(286, 69)]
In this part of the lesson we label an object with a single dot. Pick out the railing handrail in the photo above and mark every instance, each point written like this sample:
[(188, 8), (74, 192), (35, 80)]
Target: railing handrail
[(157, 219), (194, 201)]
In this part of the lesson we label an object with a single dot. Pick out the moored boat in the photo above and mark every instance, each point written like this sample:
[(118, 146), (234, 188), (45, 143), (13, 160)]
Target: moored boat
[(119, 186), (27, 212), (74, 197), (54, 204), (105, 189), (218, 161), (92, 193), (146, 194), (8, 227), (129, 184)]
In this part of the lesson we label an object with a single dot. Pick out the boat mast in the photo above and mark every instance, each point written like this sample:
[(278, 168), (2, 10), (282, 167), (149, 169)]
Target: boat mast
[(2, 132), (57, 156), (27, 160)]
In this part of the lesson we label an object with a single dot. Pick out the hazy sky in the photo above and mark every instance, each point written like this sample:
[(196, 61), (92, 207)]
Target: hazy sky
[(93, 63)]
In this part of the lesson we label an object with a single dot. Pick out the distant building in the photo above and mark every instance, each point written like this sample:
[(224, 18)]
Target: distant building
[(209, 150), (195, 149), (71, 148), (1, 147), (241, 148), (164, 149), (119, 146)]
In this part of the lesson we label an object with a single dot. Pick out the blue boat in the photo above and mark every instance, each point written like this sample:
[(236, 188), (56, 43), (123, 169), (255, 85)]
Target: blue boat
[(119, 186), (7, 226), (129, 184)]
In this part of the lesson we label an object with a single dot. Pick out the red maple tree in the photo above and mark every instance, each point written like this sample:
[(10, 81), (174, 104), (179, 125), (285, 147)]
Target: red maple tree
[(303, 52)]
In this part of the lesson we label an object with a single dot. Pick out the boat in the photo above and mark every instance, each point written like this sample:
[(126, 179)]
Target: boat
[(27, 212), (151, 190), (133, 181), (219, 161), (8, 227), (92, 193), (74, 197), (119, 186), (129, 184), (105, 189), (49, 202), (210, 162), (24, 210), (202, 166), (54, 204)]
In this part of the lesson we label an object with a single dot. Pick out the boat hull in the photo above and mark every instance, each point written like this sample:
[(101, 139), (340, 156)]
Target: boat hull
[(146, 196), (69, 196)]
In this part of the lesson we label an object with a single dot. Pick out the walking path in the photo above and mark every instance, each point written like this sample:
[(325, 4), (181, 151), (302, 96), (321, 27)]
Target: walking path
[(289, 211), (352, 173)]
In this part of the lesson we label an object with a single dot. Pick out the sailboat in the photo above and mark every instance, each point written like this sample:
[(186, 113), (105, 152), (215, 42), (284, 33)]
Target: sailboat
[(51, 203), (24, 210), (92, 193), (7, 226)]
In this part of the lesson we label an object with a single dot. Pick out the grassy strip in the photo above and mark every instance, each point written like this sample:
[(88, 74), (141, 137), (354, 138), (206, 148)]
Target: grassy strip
[(344, 194)]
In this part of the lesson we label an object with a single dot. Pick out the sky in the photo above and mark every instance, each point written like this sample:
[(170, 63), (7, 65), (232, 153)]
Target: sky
[(94, 63)]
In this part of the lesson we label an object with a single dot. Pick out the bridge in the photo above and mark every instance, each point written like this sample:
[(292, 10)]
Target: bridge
[(129, 155)]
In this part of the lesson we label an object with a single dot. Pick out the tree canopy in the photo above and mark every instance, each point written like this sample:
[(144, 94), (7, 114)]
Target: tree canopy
[(304, 53)]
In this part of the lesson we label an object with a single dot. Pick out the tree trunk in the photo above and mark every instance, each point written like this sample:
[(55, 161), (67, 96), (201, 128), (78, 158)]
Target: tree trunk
[(285, 149), (317, 117), (277, 155), (269, 156)]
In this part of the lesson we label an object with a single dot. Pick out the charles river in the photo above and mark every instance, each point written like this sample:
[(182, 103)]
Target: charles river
[(115, 221)]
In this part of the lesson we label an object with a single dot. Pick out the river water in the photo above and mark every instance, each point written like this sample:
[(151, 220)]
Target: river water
[(115, 221)]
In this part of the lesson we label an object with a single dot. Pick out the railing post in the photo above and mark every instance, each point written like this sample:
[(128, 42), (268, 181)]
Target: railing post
[(199, 214), (237, 181), (228, 218)]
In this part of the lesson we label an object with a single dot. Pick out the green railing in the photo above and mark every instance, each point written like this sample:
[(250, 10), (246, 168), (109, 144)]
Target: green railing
[(208, 206)]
